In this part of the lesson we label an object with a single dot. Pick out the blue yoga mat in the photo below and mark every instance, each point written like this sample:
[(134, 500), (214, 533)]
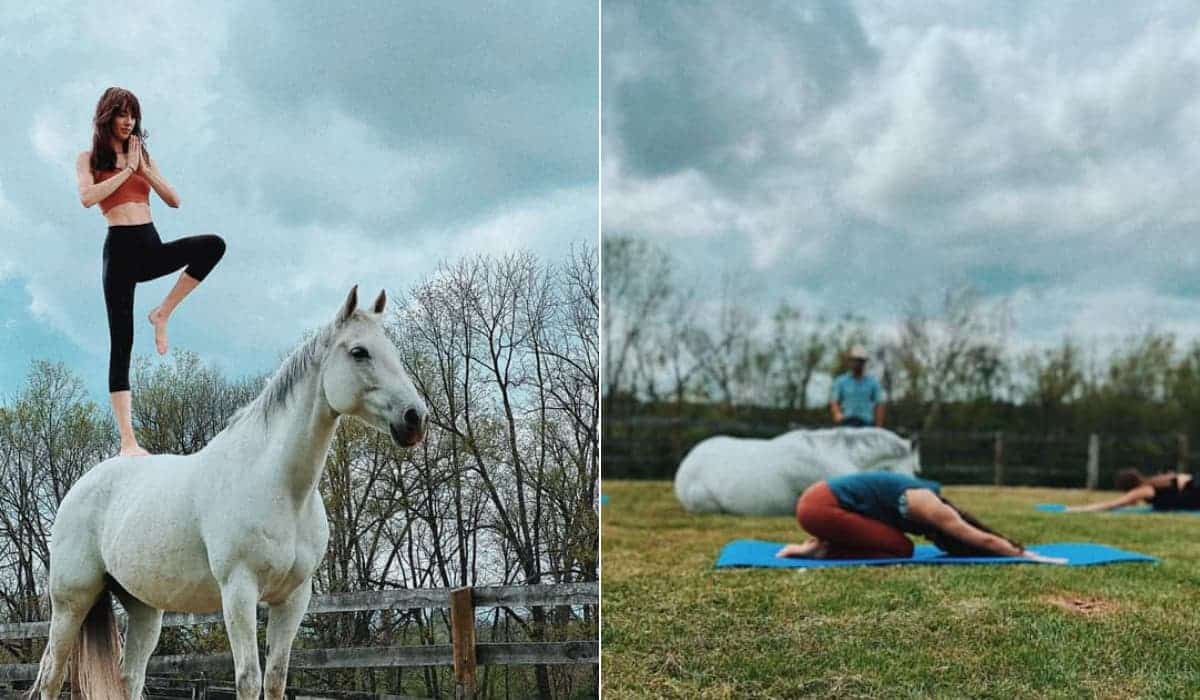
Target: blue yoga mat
[(757, 553), (1127, 510)]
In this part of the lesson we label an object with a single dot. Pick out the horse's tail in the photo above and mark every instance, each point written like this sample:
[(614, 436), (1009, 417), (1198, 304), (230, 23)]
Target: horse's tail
[(95, 658)]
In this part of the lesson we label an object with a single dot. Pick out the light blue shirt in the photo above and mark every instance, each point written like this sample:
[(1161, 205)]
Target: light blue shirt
[(858, 396)]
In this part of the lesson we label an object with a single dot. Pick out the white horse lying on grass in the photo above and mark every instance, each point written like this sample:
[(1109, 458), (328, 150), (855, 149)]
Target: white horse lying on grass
[(240, 521), (751, 476)]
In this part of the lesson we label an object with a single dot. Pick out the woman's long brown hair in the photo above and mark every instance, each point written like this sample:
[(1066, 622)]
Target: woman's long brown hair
[(111, 103), (956, 547)]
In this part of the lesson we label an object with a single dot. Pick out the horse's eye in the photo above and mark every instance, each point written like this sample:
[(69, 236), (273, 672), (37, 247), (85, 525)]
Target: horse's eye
[(358, 352)]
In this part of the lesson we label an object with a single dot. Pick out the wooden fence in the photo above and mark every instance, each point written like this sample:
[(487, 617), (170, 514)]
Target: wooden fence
[(653, 446), (463, 652), (1074, 460)]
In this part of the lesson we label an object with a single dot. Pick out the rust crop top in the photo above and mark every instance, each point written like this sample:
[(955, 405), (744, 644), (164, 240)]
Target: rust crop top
[(135, 189)]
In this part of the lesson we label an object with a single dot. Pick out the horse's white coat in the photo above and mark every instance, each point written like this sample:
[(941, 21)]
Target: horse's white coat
[(764, 477), (240, 521)]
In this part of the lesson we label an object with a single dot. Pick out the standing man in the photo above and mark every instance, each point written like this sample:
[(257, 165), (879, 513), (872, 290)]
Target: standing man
[(857, 398)]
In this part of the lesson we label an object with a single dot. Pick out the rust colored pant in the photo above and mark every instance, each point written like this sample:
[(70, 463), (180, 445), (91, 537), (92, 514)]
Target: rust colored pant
[(850, 535)]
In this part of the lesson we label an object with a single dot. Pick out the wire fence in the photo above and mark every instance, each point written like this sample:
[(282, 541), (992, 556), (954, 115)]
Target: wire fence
[(651, 447)]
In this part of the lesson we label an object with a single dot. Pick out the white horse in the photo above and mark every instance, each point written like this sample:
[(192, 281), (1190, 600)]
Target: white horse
[(240, 521), (764, 477)]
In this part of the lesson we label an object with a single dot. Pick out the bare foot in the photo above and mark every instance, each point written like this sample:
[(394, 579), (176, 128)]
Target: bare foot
[(134, 450), (809, 549), (159, 321)]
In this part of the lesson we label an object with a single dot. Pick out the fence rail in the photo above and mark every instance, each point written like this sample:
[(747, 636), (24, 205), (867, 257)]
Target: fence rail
[(653, 447), (463, 652)]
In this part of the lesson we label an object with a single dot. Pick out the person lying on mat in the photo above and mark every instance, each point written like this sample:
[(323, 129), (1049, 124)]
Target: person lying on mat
[(866, 516), (1166, 491)]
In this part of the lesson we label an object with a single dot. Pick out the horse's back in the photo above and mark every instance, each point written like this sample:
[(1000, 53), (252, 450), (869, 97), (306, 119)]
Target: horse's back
[(88, 496), (764, 476), (739, 475)]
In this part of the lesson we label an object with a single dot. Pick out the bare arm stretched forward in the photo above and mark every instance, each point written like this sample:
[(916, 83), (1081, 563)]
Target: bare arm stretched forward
[(926, 506), (1140, 493)]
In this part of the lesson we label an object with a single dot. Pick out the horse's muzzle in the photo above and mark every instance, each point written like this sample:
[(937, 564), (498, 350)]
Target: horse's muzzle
[(412, 430)]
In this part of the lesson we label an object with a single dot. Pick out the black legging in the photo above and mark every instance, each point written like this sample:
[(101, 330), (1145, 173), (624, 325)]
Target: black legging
[(135, 254)]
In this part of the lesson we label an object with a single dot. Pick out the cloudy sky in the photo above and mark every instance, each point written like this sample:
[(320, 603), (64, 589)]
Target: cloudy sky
[(853, 155), (328, 143)]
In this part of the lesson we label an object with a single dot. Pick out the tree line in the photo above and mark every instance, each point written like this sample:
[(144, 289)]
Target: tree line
[(502, 491), (952, 365)]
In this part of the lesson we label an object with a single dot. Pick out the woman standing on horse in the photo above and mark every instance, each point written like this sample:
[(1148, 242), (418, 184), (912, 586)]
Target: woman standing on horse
[(118, 174)]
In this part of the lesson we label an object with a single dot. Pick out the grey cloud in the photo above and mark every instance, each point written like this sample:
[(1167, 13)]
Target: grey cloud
[(1036, 151), (694, 85), (502, 87)]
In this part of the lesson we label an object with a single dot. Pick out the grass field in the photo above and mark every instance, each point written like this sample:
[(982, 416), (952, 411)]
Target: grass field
[(673, 626)]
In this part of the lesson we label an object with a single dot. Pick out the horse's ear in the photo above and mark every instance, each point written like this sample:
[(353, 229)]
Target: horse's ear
[(350, 305), (380, 301)]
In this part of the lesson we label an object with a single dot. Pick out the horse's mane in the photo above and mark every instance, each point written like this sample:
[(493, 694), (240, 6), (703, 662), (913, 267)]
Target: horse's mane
[(298, 364), (856, 441)]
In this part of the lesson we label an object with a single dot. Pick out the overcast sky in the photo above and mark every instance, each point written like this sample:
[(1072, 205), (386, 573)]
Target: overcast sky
[(848, 156), (328, 143)]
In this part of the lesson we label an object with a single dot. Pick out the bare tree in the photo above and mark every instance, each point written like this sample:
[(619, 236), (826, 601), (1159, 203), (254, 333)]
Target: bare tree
[(936, 352), (801, 346), (183, 403), (1053, 377), (1139, 370), (637, 289), (505, 349), (722, 349), (49, 435)]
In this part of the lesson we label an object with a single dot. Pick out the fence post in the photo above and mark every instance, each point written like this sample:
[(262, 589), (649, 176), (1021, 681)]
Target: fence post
[(1184, 450), (998, 457), (1093, 462), (462, 640)]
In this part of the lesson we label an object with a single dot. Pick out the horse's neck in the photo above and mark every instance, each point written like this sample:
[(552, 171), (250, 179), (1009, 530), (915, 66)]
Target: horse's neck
[(291, 450)]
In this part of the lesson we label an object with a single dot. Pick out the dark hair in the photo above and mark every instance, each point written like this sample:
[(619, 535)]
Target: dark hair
[(954, 546), (113, 102), (1128, 479)]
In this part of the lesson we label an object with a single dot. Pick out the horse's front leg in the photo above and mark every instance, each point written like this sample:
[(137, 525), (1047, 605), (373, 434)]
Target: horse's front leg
[(239, 604), (282, 625)]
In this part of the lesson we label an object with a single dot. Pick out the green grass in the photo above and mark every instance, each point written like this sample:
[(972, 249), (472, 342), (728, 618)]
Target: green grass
[(673, 626)]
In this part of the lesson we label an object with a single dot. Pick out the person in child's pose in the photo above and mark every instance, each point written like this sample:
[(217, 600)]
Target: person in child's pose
[(866, 516)]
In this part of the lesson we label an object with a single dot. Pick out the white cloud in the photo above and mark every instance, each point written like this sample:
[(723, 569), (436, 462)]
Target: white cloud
[(542, 224), (50, 141), (978, 146)]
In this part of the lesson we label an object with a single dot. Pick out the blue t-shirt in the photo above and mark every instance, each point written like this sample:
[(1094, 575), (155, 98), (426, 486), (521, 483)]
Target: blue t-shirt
[(879, 495), (858, 396)]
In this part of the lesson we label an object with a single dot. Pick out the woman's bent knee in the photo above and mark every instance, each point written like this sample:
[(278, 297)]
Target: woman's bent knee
[(211, 253), (812, 506)]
